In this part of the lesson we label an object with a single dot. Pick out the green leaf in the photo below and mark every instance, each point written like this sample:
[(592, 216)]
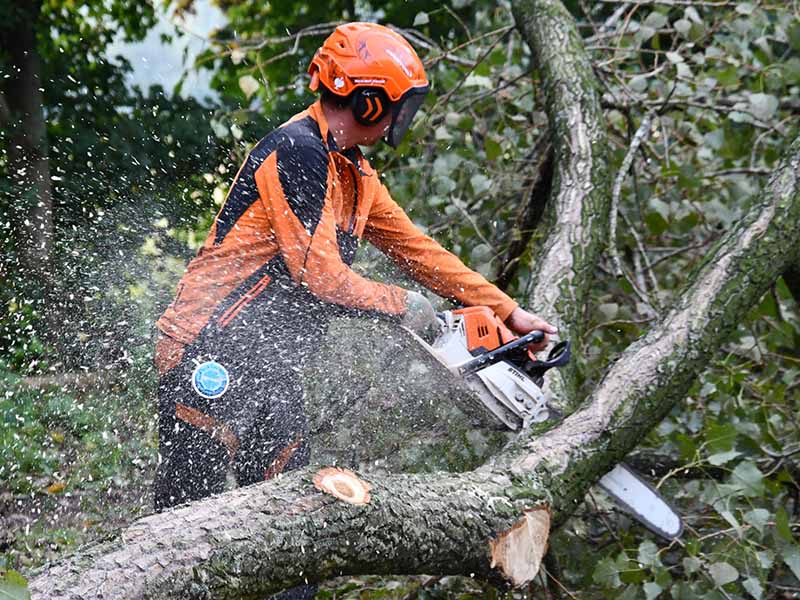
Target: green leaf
[(782, 524), (638, 84), (766, 559), (493, 148), (480, 183), (692, 564), (656, 20), (481, 253), (753, 587), (656, 223), (648, 554), (794, 37), (728, 76), (682, 26), (442, 134), (645, 33), (13, 586), (421, 19), (721, 458), (474, 80), (791, 71), (720, 437), (763, 106), (758, 518), (467, 123), (606, 573), (674, 58), (652, 590), (723, 573), (749, 478), (791, 556)]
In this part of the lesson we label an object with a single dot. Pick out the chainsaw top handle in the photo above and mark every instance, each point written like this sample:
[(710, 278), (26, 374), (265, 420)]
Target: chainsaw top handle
[(498, 354)]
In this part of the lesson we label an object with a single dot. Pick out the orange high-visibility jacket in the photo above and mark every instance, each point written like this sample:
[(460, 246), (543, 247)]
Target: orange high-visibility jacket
[(295, 213)]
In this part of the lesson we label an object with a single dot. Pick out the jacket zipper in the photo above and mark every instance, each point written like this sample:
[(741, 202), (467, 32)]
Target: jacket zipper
[(355, 200)]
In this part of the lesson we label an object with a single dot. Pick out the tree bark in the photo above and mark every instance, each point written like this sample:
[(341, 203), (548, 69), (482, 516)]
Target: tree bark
[(29, 165), (285, 532)]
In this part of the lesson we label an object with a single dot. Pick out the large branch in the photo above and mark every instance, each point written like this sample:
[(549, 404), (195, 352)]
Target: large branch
[(656, 371), (492, 522), (577, 210)]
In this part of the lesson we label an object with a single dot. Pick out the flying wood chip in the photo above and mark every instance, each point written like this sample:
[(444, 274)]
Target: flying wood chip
[(518, 552), (343, 484)]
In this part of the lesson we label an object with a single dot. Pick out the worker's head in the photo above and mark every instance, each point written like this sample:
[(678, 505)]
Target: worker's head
[(374, 73)]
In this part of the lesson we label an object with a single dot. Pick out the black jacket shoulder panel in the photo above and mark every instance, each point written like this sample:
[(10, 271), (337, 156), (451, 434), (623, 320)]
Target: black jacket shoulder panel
[(244, 192)]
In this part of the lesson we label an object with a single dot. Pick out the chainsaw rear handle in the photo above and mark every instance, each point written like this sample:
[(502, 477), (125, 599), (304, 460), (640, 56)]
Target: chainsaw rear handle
[(496, 355), (558, 356)]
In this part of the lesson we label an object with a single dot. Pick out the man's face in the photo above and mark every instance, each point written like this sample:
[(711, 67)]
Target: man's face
[(369, 135)]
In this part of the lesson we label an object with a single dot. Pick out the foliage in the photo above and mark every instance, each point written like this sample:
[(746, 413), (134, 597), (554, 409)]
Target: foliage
[(120, 163), (69, 457), (724, 82)]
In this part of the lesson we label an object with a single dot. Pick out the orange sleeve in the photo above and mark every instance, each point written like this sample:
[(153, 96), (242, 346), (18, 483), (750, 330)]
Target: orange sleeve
[(390, 229), (293, 183)]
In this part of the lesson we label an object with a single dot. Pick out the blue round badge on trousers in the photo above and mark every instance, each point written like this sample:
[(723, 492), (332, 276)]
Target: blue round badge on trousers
[(210, 379)]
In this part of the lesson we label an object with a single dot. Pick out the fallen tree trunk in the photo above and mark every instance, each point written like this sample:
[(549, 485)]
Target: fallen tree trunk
[(492, 522)]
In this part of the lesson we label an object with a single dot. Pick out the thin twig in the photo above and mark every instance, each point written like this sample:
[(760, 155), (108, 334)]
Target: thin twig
[(446, 97), (640, 246), (472, 222), (641, 133), (678, 251), (737, 171)]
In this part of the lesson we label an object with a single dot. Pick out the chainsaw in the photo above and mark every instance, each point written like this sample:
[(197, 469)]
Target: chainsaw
[(475, 345), (498, 366)]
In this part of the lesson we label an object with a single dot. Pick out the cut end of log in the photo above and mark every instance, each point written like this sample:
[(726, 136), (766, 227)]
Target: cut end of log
[(343, 484), (518, 552)]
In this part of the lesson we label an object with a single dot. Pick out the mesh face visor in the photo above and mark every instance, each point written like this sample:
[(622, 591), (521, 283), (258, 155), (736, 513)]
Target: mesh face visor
[(404, 113)]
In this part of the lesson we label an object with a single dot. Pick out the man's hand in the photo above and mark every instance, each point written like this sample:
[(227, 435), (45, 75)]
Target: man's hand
[(420, 317), (520, 321)]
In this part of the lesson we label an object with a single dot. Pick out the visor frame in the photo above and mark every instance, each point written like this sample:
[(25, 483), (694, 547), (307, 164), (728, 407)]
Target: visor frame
[(398, 130)]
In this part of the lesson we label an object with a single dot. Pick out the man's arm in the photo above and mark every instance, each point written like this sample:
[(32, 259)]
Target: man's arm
[(424, 259), (419, 255), (293, 183)]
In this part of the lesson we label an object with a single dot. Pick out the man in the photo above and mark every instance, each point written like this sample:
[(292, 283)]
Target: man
[(276, 266)]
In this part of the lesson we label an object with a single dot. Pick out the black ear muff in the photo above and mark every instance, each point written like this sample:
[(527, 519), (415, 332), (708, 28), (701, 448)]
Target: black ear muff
[(369, 105)]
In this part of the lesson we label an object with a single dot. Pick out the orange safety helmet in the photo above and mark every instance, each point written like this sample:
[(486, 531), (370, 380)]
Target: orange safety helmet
[(377, 69)]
